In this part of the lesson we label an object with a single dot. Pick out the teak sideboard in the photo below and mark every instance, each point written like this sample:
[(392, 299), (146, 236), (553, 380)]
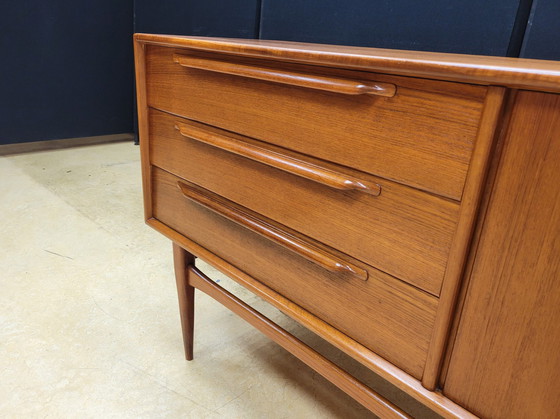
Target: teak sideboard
[(404, 206)]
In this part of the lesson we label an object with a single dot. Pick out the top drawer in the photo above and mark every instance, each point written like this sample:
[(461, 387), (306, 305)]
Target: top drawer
[(422, 136)]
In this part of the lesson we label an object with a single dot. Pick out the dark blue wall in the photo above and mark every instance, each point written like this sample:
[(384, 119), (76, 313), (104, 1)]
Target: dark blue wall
[(470, 27), (542, 38), (233, 19), (66, 69)]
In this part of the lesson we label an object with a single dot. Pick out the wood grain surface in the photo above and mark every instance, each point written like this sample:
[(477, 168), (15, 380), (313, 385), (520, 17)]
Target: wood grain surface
[(385, 369), (382, 313), (420, 137), (389, 184), (143, 133), (502, 71), (490, 126), (404, 232), (185, 292), (505, 361)]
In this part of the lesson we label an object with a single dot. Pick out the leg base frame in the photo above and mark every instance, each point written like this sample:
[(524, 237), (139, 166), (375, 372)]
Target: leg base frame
[(359, 391)]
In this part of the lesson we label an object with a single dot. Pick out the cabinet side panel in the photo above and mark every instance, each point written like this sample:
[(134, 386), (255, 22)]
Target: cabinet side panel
[(143, 128), (505, 359)]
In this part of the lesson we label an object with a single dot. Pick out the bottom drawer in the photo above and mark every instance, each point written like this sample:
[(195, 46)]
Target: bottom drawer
[(382, 313)]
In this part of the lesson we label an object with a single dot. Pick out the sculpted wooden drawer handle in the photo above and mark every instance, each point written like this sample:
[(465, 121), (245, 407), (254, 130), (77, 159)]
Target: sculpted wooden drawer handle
[(279, 161), (312, 81), (233, 212)]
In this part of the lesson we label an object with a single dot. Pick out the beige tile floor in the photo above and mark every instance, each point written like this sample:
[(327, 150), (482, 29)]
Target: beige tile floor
[(89, 323)]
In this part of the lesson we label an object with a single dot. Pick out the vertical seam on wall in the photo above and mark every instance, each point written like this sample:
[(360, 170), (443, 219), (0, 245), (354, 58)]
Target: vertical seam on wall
[(528, 28), (520, 24), (133, 16), (134, 98), (258, 19)]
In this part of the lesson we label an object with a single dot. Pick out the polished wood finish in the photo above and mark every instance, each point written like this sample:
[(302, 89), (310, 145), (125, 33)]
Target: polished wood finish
[(509, 72), (367, 397), (379, 365), (443, 196), (487, 194), (403, 232), (286, 163), (384, 314), (395, 136), (270, 230), (505, 361), (182, 260), (329, 84), (143, 128), (460, 245)]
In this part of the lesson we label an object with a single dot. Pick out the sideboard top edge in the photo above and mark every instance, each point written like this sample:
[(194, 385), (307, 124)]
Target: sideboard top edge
[(518, 73)]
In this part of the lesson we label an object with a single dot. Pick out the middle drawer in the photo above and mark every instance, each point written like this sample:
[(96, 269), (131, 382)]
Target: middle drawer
[(401, 231)]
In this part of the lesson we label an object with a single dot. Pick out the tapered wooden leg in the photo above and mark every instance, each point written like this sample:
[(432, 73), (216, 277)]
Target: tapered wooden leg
[(181, 260)]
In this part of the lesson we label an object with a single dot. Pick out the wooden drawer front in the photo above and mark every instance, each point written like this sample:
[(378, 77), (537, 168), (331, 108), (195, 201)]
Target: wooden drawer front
[(404, 232), (384, 314), (422, 137)]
